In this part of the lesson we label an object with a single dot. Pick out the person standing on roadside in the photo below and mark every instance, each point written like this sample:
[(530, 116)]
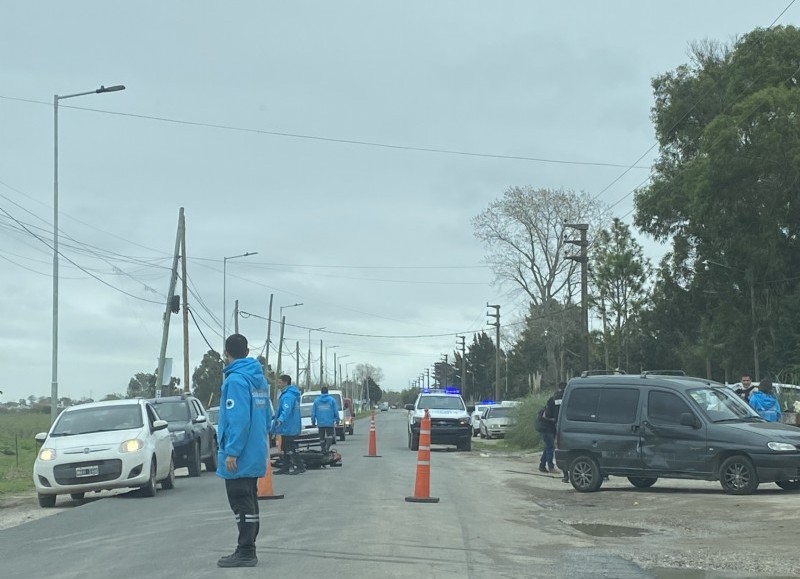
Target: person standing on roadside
[(546, 427), (325, 413), (746, 387), (765, 402), (244, 415), (288, 425)]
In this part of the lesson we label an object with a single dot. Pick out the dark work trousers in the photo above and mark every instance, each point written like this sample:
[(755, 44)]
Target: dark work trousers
[(327, 434), (243, 498), (290, 456), (549, 439)]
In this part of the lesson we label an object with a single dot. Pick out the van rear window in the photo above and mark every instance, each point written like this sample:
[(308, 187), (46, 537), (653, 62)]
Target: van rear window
[(609, 405)]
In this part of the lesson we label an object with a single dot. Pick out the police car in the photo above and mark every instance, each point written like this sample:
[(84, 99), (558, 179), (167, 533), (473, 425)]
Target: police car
[(450, 421)]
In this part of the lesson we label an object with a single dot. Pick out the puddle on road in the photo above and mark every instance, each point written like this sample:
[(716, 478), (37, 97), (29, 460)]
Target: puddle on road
[(597, 530)]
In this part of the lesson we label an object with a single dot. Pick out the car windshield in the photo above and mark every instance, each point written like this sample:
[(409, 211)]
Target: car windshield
[(309, 398), (177, 411), (499, 412), (440, 402), (98, 419), (720, 404), (213, 415)]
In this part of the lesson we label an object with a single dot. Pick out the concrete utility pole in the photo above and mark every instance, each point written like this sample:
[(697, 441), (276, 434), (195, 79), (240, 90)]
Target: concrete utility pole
[(269, 331), (184, 292), (445, 371), (462, 341), (496, 324), (172, 281), (321, 369), (297, 361), (583, 259), (236, 317)]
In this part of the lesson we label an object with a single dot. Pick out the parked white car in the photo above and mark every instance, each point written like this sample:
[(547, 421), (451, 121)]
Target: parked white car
[(475, 418), (104, 445), (496, 420)]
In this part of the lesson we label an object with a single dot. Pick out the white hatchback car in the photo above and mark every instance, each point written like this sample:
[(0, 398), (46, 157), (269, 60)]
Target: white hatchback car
[(104, 445)]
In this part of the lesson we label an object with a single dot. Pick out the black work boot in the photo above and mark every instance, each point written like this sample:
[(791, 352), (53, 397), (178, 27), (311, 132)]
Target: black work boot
[(238, 559)]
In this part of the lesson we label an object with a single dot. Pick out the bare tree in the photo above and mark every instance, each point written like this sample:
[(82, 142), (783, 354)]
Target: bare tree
[(524, 233)]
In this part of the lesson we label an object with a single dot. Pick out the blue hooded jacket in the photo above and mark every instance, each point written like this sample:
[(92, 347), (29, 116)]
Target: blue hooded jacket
[(244, 413), (288, 413), (766, 405), (325, 411)]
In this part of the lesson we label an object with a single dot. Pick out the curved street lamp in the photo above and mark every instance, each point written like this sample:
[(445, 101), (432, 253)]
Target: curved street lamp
[(54, 362), (224, 290)]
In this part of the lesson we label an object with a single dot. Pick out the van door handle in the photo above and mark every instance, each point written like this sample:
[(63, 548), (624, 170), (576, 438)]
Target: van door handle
[(634, 428)]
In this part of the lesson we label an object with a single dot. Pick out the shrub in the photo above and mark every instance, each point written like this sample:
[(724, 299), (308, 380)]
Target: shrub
[(523, 434)]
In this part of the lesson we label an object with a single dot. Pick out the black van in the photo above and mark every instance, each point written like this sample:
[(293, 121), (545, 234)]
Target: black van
[(648, 426)]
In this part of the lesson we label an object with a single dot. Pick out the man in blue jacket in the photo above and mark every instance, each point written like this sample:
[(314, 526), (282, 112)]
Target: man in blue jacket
[(244, 415), (289, 425), (325, 413)]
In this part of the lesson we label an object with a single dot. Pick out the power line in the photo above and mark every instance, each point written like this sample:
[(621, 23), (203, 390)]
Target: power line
[(328, 139)]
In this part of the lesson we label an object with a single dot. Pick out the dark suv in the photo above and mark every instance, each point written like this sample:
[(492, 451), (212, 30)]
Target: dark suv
[(650, 426), (193, 436)]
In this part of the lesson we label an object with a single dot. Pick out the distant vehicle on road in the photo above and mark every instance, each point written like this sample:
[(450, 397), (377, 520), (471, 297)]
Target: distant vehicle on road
[(476, 417), (450, 422), (213, 416), (193, 436), (311, 395), (496, 421), (101, 446), (384, 407)]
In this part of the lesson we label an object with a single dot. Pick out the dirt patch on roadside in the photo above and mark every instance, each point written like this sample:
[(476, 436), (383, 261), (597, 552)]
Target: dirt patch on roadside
[(21, 508)]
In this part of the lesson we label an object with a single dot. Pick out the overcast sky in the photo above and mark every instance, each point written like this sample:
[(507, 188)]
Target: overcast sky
[(246, 114)]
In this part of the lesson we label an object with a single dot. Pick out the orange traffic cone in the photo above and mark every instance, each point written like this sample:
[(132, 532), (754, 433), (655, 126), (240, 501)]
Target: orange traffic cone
[(422, 487), (264, 485), (373, 443)]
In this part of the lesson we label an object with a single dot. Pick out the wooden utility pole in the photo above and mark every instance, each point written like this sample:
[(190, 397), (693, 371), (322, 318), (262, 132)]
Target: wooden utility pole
[(583, 259), (184, 292), (280, 345), (496, 324), (321, 377), (297, 362), (236, 317), (269, 331), (172, 281)]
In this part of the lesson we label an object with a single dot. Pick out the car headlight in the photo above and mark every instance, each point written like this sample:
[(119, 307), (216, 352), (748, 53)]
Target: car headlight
[(781, 446), (464, 421), (47, 454), (131, 445), (178, 435)]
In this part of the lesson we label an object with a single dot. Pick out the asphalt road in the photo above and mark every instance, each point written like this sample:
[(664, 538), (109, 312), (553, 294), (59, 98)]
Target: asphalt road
[(496, 517)]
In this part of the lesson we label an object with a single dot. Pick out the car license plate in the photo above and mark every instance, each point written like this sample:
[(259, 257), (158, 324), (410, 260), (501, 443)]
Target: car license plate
[(83, 471)]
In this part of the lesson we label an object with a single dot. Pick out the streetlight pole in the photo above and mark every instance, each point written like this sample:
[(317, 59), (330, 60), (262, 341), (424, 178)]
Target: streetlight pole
[(224, 292), (54, 362)]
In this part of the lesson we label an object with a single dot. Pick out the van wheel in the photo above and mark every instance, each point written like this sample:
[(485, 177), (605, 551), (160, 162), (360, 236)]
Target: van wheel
[(737, 475), (584, 474), (341, 435), (211, 461), (194, 461), (642, 482)]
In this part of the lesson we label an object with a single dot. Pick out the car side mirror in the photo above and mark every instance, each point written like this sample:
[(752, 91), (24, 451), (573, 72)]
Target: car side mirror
[(200, 419), (409, 407), (40, 437), (689, 419), (160, 425)]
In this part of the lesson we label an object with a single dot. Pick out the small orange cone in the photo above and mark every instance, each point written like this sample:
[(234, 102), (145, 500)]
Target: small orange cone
[(422, 486), (373, 443), (264, 485)]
